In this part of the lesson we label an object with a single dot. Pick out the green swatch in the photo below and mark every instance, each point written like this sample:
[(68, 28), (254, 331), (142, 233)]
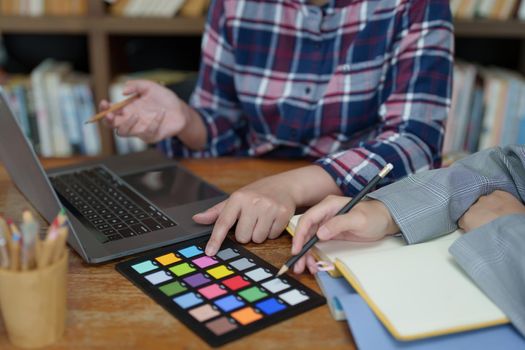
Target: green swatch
[(173, 288), (252, 294), (182, 269)]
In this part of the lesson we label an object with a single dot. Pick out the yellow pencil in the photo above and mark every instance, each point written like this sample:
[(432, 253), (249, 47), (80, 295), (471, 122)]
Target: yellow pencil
[(113, 108)]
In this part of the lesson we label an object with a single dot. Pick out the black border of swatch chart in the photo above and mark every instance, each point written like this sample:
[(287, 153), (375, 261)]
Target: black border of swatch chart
[(199, 328)]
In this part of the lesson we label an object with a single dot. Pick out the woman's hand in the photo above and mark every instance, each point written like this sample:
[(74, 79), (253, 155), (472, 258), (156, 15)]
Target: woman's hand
[(369, 220), (157, 114), (489, 208), (262, 209)]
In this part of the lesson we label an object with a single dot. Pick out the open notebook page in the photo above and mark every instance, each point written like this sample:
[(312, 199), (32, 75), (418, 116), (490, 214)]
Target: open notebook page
[(419, 291)]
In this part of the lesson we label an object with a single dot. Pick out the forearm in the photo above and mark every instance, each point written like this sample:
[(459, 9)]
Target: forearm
[(307, 185), (492, 256)]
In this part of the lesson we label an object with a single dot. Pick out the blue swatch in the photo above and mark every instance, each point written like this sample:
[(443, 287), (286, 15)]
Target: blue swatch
[(270, 306), (144, 267), (229, 303), (187, 300), (190, 252)]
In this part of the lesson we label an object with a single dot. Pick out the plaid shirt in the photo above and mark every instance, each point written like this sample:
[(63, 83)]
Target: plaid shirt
[(354, 84)]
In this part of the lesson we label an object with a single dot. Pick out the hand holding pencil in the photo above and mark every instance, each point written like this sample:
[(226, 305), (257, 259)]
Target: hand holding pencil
[(340, 218), (150, 112)]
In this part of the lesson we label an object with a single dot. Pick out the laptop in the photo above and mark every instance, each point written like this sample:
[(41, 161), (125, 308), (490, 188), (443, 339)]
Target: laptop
[(117, 206)]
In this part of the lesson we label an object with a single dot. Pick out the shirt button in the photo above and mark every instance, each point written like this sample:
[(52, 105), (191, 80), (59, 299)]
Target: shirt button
[(307, 90)]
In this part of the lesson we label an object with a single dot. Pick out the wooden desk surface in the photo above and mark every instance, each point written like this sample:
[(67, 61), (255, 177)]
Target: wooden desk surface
[(105, 311)]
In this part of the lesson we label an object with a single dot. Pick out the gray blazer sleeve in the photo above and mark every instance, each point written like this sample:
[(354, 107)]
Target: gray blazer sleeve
[(429, 204), (493, 256)]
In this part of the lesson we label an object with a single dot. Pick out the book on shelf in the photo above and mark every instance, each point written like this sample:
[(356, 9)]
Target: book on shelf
[(126, 145), (488, 109), (159, 8), (51, 105), (44, 7), (421, 300), (488, 9)]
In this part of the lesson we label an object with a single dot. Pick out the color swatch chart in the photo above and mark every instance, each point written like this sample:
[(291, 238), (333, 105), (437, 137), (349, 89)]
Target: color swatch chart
[(220, 298)]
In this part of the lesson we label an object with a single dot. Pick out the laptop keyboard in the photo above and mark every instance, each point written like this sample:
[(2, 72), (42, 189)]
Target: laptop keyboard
[(109, 205)]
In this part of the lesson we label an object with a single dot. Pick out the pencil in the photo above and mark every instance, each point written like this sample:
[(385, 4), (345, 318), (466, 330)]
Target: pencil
[(14, 249), (384, 172), (113, 108)]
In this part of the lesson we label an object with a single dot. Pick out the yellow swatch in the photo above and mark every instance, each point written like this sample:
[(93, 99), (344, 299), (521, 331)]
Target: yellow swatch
[(219, 272), (168, 259)]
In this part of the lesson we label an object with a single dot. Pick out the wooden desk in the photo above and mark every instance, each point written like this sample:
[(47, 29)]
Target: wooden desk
[(108, 312)]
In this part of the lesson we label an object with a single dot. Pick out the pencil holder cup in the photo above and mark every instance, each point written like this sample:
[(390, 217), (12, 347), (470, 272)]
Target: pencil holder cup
[(33, 304)]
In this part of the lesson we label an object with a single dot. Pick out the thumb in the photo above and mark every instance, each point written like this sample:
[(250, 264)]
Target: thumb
[(209, 216), (334, 227)]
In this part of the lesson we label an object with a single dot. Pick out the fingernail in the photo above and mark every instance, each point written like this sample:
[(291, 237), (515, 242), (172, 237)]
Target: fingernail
[(210, 250), (323, 232)]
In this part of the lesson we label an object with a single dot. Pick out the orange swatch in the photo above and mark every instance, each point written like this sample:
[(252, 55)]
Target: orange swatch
[(246, 315)]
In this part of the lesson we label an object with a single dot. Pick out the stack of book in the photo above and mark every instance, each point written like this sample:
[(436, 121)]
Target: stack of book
[(159, 8), (51, 105), (43, 7), (489, 9), (488, 109)]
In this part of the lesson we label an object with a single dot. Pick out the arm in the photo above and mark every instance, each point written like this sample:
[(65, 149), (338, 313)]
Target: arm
[(429, 204), (417, 99), (214, 100), (492, 255)]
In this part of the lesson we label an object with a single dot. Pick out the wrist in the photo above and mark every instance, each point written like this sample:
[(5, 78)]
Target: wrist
[(193, 133)]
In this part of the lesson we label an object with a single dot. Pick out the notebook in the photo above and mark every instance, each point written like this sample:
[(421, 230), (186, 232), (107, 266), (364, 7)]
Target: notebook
[(417, 291), (369, 334)]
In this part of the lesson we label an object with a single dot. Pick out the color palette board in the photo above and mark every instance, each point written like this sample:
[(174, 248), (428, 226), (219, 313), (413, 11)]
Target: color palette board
[(221, 298)]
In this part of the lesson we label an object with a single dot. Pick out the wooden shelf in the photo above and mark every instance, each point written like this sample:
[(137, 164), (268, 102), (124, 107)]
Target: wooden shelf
[(152, 26), (513, 29), (44, 25)]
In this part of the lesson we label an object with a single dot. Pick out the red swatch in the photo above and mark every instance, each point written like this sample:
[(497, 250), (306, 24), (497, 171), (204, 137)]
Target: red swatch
[(235, 283)]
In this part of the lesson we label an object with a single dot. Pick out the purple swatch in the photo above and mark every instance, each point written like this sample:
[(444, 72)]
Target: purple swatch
[(196, 280), (205, 261)]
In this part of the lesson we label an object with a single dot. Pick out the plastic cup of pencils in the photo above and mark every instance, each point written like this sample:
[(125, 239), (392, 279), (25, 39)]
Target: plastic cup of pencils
[(33, 304)]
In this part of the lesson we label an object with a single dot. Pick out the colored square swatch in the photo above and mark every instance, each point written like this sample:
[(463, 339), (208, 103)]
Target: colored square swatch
[(182, 269), (259, 274), (229, 303), (196, 280), (246, 315), (212, 291), (168, 259), (205, 261), (293, 297), (187, 300), (172, 288), (144, 267), (190, 252), (276, 285), (227, 254), (252, 294), (235, 283), (158, 277), (270, 306), (242, 264), (204, 312), (219, 272), (221, 326)]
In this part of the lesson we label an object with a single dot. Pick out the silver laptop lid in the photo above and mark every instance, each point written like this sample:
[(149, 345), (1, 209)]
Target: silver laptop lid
[(23, 166)]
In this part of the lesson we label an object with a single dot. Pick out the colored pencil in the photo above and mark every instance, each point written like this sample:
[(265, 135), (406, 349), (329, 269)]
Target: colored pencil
[(384, 172)]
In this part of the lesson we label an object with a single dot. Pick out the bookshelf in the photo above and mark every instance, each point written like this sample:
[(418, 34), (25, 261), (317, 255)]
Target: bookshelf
[(100, 28)]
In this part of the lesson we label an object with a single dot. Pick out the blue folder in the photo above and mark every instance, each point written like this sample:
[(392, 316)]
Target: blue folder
[(370, 334)]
